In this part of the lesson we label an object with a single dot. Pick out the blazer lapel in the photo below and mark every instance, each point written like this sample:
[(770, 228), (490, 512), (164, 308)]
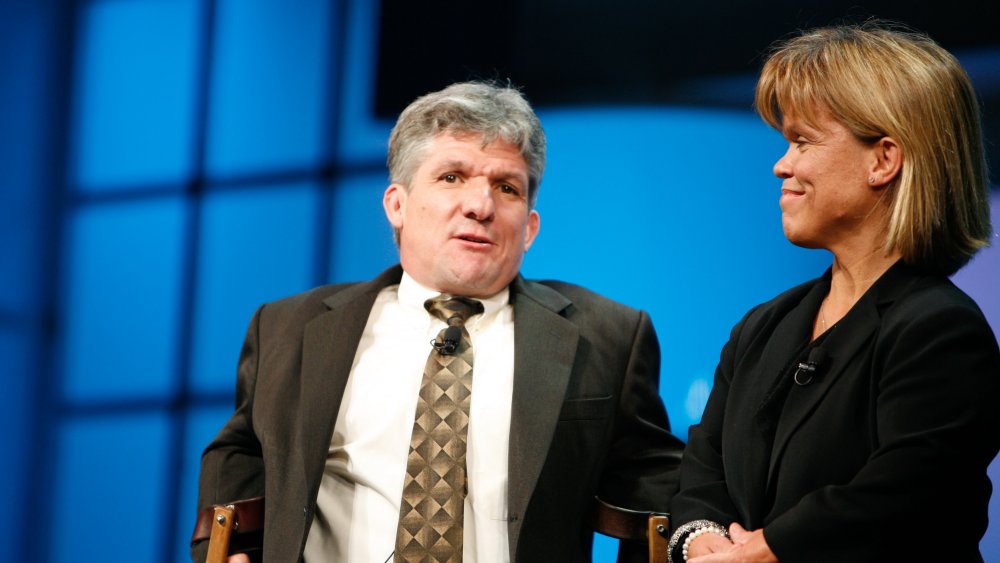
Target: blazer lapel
[(847, 338), (328, 349), (767, 394), (844, 341), (544, 348)]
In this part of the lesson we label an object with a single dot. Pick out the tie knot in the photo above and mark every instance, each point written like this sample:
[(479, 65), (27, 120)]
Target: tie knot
[(453, 310)]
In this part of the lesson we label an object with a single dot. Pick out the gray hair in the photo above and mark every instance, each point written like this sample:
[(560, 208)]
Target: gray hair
[(479, 108)]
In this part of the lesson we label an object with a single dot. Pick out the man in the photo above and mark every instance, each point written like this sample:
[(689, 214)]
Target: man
[(332, 416)]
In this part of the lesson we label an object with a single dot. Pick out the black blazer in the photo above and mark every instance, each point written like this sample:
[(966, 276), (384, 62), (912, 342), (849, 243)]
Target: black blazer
[(882, 456), (586, 419)]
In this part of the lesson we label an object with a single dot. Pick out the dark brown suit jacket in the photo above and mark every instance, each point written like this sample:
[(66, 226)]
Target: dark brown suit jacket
[(586, 416), (883, 456)]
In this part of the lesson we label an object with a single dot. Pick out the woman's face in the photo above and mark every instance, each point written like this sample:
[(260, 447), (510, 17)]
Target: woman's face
[(827, 199)]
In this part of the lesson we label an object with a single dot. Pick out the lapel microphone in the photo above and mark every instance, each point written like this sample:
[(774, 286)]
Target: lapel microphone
[(449, 343), (806, 370)]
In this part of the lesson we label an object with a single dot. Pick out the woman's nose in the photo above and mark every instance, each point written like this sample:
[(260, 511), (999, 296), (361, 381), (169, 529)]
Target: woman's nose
[(783, 167)]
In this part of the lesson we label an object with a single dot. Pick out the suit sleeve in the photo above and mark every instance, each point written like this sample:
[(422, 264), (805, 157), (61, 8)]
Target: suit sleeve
[(644, 459), (936, 374), (232, 467)]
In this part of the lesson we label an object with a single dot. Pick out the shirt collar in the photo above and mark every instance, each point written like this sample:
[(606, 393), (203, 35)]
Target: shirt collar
[(412, 296)]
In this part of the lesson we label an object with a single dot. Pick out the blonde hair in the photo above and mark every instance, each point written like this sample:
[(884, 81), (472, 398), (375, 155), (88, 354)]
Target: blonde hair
[(880, 81)]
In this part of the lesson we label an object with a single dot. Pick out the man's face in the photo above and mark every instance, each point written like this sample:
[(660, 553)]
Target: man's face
[(464, 224)]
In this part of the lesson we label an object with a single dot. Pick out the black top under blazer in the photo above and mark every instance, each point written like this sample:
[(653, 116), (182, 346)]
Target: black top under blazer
[(882, 456), (586, 415)]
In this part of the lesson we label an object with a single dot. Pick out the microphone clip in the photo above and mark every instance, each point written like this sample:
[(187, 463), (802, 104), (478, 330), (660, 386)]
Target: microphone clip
[(445, 348), (449, 341), (806, 371)]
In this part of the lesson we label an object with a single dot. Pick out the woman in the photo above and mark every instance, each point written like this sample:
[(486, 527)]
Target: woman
[(853, 417)]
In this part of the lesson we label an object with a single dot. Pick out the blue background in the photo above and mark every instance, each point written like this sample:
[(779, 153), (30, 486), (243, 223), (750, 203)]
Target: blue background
[(170, 164)]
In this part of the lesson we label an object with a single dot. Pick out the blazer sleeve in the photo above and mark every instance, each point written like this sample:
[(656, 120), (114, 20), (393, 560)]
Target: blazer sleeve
[(232, 465), (936, 378), (704, 494), (644, 458)]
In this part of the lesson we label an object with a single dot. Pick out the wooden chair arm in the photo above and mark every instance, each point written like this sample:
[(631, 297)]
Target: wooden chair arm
[(650, 528), (236, 527), (220, 524)]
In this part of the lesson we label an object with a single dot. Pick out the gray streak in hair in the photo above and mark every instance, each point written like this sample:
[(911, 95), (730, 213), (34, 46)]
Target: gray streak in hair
[(468, 108)]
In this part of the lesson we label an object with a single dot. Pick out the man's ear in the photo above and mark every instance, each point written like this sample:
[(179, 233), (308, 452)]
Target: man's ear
[(394, 203), (531, 230), (888, 162)]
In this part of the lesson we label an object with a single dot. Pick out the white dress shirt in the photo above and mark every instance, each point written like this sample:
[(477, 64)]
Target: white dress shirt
[(357, 508)]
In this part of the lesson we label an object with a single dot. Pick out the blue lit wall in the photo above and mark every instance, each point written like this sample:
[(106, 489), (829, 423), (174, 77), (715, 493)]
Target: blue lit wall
[(200, 157)]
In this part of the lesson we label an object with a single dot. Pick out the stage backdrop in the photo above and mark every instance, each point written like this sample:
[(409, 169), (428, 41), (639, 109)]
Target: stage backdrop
[(189, 160)]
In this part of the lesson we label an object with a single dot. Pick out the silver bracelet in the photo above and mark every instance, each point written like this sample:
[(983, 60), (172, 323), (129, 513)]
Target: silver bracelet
[(690, 531)]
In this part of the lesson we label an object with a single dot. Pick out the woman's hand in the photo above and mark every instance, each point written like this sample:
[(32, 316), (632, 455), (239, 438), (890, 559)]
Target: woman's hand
[(708, 543), (746, 547)]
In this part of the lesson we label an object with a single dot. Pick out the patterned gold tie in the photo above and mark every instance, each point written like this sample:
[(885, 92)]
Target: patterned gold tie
[(435, 486)]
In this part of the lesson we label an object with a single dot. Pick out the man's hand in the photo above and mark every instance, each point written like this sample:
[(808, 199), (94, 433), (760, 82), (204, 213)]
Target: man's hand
[(747, 547)]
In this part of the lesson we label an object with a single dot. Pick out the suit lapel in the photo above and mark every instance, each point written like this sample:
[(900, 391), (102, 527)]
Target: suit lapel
[(329, 346), (544, 348)]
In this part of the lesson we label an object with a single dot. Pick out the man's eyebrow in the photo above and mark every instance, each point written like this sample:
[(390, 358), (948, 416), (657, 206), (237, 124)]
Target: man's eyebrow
[(462, 166), (510, 176), (452, 164)]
